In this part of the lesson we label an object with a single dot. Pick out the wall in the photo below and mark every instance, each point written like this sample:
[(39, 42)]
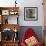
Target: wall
[(26, 3)]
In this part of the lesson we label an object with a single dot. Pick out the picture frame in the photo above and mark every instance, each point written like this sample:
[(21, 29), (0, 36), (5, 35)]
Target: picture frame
[(5, 12), (30, 13)]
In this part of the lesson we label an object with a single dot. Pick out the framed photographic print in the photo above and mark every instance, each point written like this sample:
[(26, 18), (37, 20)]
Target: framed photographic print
[(30, 13), (5, 12)]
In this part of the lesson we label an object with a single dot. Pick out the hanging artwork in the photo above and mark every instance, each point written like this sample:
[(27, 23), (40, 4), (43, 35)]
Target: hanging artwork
[(30, 13)]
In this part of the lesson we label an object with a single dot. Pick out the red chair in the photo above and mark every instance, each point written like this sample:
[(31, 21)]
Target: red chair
[(29, 33)]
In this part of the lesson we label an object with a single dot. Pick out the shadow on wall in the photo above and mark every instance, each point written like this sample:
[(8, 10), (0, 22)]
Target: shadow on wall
[(37, 29)]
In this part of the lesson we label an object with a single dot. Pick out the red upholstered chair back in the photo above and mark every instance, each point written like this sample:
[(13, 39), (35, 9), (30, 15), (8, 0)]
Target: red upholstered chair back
[(29, 33)]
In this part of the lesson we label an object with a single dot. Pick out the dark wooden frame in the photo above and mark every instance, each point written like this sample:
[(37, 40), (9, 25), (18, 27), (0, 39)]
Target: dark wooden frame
[(31, 18)]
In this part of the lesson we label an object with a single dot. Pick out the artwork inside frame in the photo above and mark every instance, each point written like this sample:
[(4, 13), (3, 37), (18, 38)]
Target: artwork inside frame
[(5, 12), (30, 13)]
